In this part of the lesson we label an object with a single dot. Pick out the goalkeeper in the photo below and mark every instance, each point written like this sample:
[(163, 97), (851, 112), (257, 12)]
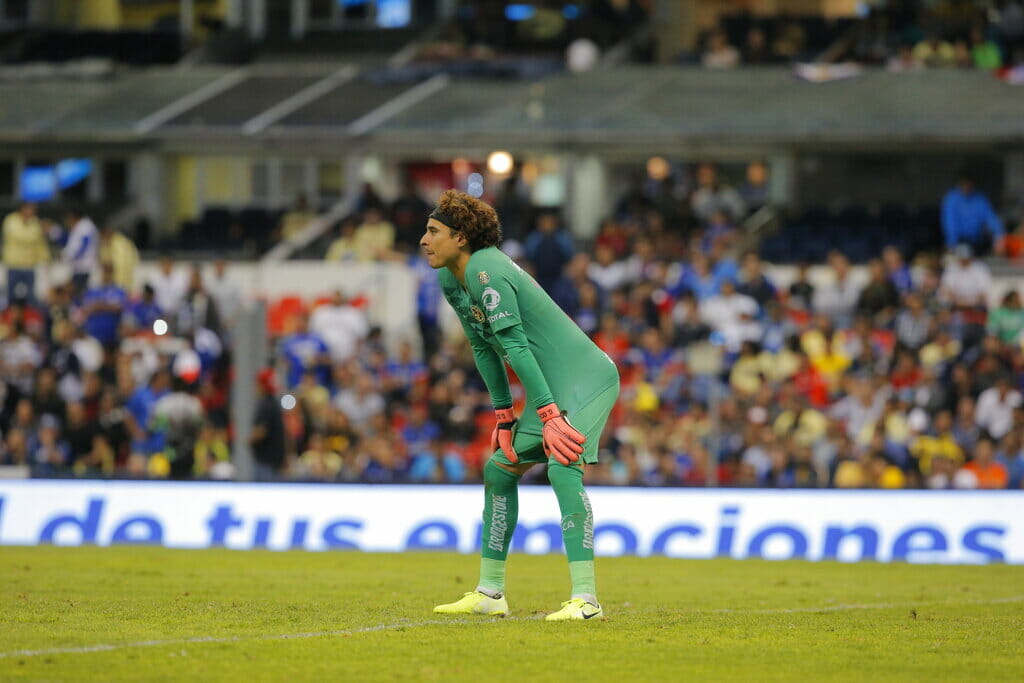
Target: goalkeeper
[(571, 386)]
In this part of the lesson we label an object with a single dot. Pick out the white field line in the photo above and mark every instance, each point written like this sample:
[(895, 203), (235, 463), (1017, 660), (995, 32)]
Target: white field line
[(446, 622)]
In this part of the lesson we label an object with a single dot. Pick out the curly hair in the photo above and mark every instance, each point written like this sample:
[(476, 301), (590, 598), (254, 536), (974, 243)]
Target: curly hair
[(475, 219)]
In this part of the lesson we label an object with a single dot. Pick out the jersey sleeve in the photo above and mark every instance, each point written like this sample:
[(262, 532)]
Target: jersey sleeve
[(495, 290)]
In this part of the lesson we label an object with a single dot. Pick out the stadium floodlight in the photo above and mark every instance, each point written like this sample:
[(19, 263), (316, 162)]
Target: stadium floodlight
[(499, 162)]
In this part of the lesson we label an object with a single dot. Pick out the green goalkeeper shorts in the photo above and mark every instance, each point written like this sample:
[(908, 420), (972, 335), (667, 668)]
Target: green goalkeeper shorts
[(588, 419)]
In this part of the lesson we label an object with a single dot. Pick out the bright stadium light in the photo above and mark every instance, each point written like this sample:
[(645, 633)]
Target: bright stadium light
[(499, 162), (658, 168), (159, 327), (287, 401)]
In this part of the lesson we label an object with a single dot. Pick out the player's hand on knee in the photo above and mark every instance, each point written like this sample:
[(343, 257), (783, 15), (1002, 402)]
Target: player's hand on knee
[(501, 437), (561, 440)]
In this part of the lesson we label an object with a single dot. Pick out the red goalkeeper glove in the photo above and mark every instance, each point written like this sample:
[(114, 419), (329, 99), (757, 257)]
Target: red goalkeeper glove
[(561, 440), (501, 437)]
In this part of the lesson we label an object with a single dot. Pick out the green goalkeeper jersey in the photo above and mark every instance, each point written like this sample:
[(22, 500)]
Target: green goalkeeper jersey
[(510, 319)]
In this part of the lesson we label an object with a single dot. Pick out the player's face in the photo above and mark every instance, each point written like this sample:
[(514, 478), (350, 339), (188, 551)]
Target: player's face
[(440, 245)]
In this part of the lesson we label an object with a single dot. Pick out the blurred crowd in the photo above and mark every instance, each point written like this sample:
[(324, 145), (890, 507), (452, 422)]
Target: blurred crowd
[(900, 374), (100, 377), (901, 36), (903, 377)]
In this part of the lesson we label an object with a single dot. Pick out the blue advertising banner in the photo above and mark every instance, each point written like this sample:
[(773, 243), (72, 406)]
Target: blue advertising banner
[(884, 526)]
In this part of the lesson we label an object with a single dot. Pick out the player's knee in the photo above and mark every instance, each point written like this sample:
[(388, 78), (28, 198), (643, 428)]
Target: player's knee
[(559, 473), (497, 473)]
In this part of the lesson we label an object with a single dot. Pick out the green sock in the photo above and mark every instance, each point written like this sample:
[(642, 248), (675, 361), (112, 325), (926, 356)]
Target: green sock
[(501, 510), (577, 526)]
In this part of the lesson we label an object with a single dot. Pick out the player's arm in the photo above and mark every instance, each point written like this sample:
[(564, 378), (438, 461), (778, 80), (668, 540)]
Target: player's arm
[(498, 296), (492, 369)]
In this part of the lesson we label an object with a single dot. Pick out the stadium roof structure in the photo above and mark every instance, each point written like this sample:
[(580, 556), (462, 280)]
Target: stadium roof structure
[(662, 107)]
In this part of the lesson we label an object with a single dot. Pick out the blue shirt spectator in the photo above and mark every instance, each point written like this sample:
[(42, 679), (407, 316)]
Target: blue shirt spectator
[(103, 306), (549, 249), (967, 215), (141, 314), (306, 351)]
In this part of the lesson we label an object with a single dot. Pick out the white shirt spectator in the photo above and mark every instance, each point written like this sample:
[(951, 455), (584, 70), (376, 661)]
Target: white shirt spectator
[(341, 326), (707, 200), (169, 290), (734, 316), (359, 403), (994, 411), (609, 277), (227, 294), (837, 300), (82, 250), (19, 358), (966, 283)]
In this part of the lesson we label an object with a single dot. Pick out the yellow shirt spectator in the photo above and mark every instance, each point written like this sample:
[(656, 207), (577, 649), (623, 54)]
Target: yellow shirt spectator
[(120, 253), (807, 426), (927, 448), (24, 243)]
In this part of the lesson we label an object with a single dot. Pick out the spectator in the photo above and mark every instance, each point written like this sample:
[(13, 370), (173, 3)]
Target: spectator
[(226, 293), (913, 323), (896, 269), (838, 300), (24, 248), (295, 220), (995, 409), (360, 402), (1007, 321), (81, 253), (712, 196), (179, 417), (605, 270), (305, 351), (801, 291), (548, 248), (754, 190), (103, 307), (375, 236), (988, 472), (118, 251), (140, 314), (966, 283), (169, 286), (344, 247), (267, 439), (198, 310), (733, 315), (879, 298), (968, 218), (755, 49), (720, 54), (340, 325), (753, 282), (984, 53), (409, 214), (934, 52)]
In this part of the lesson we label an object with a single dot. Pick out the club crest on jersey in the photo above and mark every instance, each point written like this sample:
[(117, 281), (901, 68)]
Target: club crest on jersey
[(491, 299), (483, 277), (477, 313)]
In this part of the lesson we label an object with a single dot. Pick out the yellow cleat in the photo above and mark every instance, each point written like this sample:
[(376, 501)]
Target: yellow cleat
[(577, 608), (475, 602)]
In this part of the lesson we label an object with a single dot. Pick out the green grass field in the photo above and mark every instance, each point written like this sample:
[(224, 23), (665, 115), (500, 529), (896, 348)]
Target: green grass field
[(75, 614)]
